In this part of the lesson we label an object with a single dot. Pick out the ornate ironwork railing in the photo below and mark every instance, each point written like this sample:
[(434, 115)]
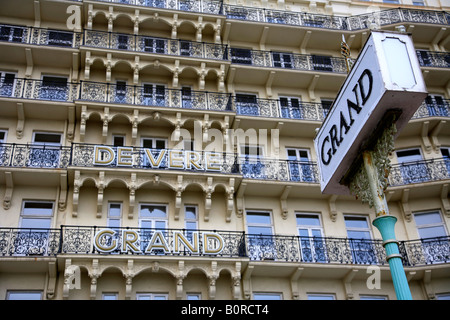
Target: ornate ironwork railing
[(419, 171), (276, 169), (432, 107), (433, 59), (154, 95), (40, 36), (275, 108), (203, 6), (34, 156), (358, 22), (143, 241), (87, 155), (148, 44), (258, 58)]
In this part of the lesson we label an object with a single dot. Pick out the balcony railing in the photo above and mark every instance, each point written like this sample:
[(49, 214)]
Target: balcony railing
[(280, 170), (154, 95), (432, 107), (419, 171), (358, 22), (40, 36), (433, 59), (203, 6), (148, 44), (276, 108), (16, 242), (34, 156)]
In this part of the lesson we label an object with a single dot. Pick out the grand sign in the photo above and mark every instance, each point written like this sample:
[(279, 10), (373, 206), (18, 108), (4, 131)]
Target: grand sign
[(386, 76), (128, 240)]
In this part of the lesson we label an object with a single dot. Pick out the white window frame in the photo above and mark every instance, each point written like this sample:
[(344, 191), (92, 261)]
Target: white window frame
[(3, 75), (443, 296), (372, 297), (47, 143), (115, 295), (282, 62), (153, 220), (23, 292), (260, 152), (120, 136), (151, 295), (267, 296), (368, 229), (321, 296), (37, 216), (429, 225), (153, 140), (190, 220), (3, 140), (193, 296), (109, 217), (265, 212), (399, 159), (154, 95)]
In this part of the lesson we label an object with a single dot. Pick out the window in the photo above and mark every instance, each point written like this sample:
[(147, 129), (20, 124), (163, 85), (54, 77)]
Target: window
[(60, 38), (326, 105), (154, 45), (122, 41), (154, 143), (7, 84), (3, 134), (290, 108), (247, 104), (186, 97), (412, 169), (360, 235), (300, 169), (12, 34), (424, 57), (443, 296), (418, 2), (446, 156), (311, 242), (249, 151), (430, 224), (151, 216), (267, 296), (153, 94), (191, 217), (23, 295), (193, 296), (370, 297), (185, 48), (45, 151), (260, 241), (152, 296), (118, 140), (36, 214), (47, 138), (110, 296), (54, 88), (322, 63), (121, 91), (321, 296), (114, 214), (242, 56), (282, 60), (436, 105)]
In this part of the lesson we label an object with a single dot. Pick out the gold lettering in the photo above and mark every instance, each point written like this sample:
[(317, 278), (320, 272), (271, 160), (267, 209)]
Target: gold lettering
[(103, 155), (100, 245), (129, 242), (213, 161), (158, 242), (176, 159), (124, 156), (155, 163), (193, 160), (212, 243), (179, 237)]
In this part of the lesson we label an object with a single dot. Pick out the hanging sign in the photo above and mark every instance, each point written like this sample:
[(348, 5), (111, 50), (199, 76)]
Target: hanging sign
[(386, 76)]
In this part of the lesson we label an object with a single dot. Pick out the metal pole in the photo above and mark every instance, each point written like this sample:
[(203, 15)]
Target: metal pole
[(385, 224)]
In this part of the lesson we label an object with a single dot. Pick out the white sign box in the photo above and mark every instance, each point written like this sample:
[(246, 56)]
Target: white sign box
[(385, 76)]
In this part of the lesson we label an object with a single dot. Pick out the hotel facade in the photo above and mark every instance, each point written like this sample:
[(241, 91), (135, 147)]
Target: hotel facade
[(163, 149)]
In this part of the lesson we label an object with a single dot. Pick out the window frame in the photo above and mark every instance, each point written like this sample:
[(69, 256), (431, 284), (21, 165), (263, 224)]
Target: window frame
[(40, 292), (265, 212), (267, 295), (430, 225), (152, 295), (36, 216)]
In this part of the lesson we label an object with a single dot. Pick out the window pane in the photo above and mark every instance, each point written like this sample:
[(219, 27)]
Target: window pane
[(358, 234), (321, 297), (427, 218), (260, 230), (114, 210), (432, 232), (193, 296), (153, 211), (24, 295), (308, 220), (38, 208), (259, 218), (110, 296), (190, 213), (356, 222), (191, 225), (114, 223), (54, 138), (267, 296), (36, 223)]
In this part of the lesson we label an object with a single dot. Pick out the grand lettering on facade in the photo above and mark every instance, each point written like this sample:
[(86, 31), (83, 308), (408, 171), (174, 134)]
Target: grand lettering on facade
[(362, 91), (155, 158), (108, 241)]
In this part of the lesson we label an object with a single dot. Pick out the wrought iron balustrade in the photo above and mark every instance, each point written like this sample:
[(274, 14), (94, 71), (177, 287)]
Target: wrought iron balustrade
[(40, 36), (203, 6), (433, 59), (34, 156), (148, 44), (433, 107), (181, 242), (294, 61), (357, 22), (29, 242), (154, 95), (274, 108), (419, 171), (88, 155), (280, 170), (13, 87)]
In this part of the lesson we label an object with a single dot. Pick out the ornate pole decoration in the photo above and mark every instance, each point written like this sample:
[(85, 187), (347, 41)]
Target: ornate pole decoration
[(345, 51), (369, 183)]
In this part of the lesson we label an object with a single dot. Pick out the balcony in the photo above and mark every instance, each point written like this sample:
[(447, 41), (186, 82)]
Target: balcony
[(433, 107), (419, 172), (40, 36), (147, 44), (154, 95), (34, 156), (88, 240), (202, 6), (352, 23), (433, 59)]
